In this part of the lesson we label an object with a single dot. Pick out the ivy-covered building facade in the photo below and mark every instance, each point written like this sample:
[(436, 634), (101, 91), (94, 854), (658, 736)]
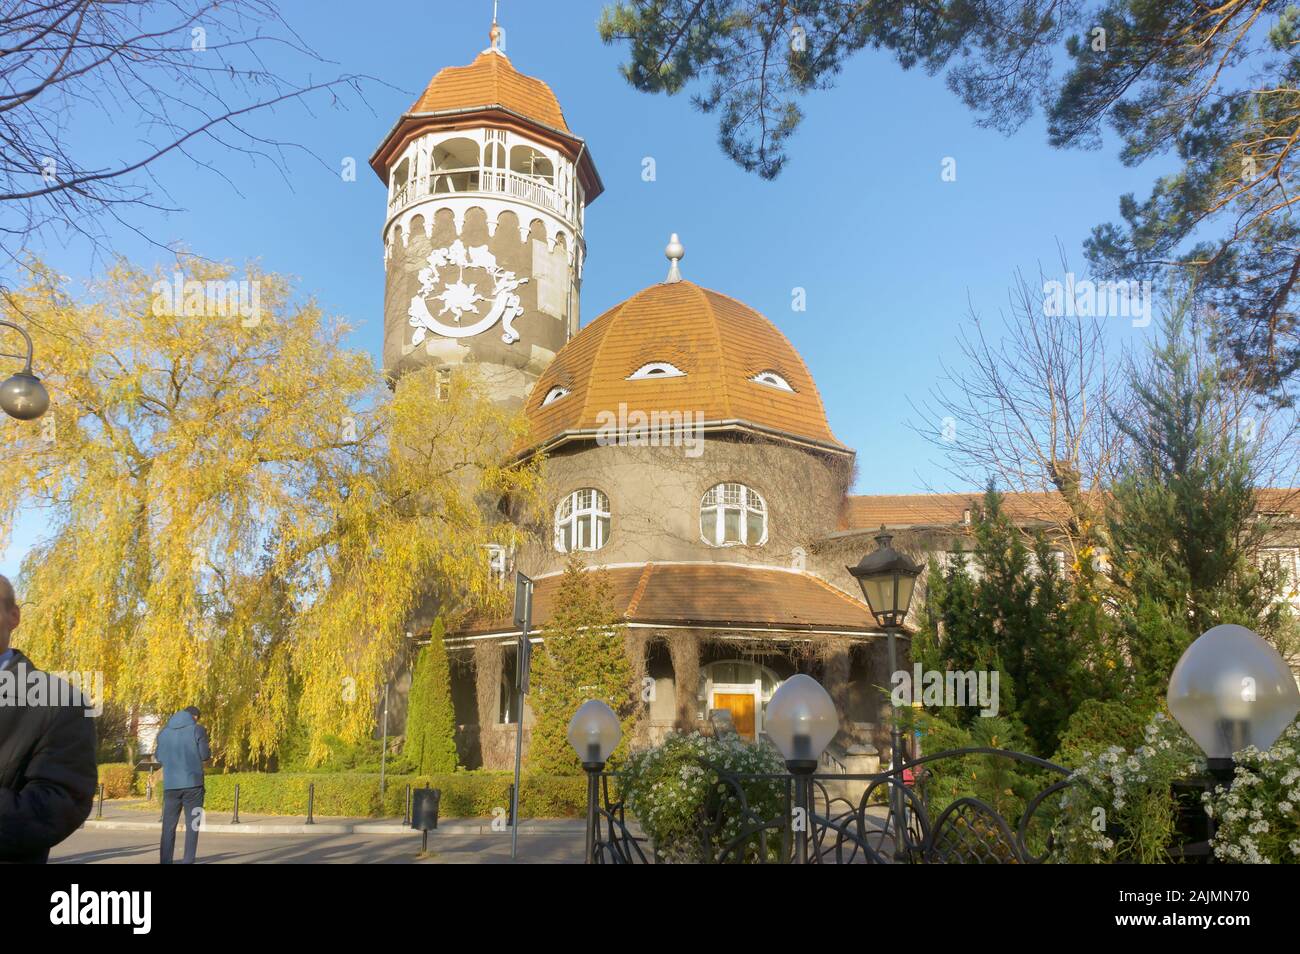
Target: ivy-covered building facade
[(688, 452)]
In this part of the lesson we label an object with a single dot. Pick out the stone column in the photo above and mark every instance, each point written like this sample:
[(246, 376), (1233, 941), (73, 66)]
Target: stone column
[(684, 650), (488, 658), (836, 658), (636, 643)]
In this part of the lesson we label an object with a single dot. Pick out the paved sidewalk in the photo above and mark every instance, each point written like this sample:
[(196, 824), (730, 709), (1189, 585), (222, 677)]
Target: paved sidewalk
[(134, 814), (88, 846)]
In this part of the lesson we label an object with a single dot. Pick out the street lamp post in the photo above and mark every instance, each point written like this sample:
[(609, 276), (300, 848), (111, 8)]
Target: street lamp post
[(801, 721), (887, 578), (23, 396), (594, 732)]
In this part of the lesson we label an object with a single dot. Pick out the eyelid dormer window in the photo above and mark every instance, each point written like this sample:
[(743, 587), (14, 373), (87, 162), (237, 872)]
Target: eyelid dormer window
[(554, 394), (772, 380), (657, 369)]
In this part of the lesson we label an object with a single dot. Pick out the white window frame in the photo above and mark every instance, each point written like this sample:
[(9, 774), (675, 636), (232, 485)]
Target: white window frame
[(497, 564), (772, 380), (656, 369), (1289, 558), (586, 506), (554, 394), (746, 501)]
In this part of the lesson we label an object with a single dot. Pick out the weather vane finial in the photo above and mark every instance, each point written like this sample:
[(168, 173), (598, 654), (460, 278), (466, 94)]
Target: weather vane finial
[(494, 34)]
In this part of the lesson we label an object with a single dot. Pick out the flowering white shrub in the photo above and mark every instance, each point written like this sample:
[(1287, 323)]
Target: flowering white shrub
[(1258, 816), (672, 790), (1121, 806)]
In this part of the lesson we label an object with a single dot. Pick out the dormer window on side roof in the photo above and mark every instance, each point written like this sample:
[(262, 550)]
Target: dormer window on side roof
[(657, 369), (554, 394), (772, 380)]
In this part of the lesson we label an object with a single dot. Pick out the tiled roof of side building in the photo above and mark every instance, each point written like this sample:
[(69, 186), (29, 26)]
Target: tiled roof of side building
[(869, 511), (491, 80), (708, 595), (718, 343)]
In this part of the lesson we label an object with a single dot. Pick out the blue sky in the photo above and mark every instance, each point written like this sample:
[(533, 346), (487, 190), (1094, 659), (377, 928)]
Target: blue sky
[(891, 257)]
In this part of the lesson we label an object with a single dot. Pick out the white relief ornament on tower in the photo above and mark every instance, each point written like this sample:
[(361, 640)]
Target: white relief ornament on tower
[(460, 297)]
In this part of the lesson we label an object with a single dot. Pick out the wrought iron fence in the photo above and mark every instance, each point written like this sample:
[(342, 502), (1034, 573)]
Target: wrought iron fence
[(803, 819)]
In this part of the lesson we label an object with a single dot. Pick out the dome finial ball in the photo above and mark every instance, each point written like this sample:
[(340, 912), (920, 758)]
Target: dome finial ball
[(675, 252)]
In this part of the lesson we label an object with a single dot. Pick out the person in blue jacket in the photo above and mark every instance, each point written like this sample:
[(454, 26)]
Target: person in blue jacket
[(182, 749)]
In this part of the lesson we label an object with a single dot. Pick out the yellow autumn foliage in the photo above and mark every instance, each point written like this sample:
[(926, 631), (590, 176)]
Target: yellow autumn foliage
[(240, 514)]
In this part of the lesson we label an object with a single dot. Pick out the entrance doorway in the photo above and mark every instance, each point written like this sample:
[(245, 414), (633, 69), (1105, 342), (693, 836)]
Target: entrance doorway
[(742, 687), (741, 707)]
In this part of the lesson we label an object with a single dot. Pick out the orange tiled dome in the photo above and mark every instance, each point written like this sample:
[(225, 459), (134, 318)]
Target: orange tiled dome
[(719, 344), (491, 81)]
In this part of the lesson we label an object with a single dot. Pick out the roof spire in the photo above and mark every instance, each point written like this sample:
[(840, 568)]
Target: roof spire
[(675, 252), (496, 35)]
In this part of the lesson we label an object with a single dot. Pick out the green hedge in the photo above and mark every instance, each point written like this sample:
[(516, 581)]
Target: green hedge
[(464, 794)]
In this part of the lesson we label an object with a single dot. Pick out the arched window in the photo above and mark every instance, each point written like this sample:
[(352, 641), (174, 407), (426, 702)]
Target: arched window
[(732, 514), (772, 380), (398, 189), (530, 162), (554, 394), (506, 714), (455, 166), (657, 369), (582, 521)]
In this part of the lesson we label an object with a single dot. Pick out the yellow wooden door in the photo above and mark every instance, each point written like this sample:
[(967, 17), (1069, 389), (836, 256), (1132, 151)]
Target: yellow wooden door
[(742, 710)]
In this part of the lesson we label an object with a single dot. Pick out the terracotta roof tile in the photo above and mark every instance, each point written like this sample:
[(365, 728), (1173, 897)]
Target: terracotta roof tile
[(710, 595), (491, 80), (717, 341), (894, 510)]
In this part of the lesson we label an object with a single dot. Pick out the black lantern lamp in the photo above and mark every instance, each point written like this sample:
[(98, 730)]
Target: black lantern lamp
[(887, 578)]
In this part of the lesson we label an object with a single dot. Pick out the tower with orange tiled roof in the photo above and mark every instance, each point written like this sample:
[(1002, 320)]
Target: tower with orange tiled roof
[(483, 236)]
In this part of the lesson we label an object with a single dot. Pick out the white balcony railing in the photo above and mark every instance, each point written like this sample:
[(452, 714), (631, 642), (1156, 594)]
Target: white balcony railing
[(537, 191)]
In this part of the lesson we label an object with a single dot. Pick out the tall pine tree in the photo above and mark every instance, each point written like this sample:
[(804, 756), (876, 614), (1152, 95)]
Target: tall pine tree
[(1184, 516)]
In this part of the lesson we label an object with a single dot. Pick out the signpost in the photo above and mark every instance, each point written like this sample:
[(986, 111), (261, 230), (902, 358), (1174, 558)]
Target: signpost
[(523, 658)]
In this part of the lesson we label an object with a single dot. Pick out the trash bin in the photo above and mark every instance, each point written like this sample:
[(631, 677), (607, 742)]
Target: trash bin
[(424, 813), (424, 808)]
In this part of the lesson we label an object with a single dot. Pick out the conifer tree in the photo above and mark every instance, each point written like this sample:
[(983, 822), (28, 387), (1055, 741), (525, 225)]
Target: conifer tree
[(430, 718), (1009, 607), (1184, 511), (583, 656)]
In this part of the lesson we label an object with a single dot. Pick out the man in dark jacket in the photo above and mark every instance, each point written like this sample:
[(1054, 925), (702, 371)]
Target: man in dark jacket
[(47, 751), (182, 749)]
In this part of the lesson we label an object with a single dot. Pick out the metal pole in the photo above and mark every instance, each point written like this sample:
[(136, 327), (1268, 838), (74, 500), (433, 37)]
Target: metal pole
[(406, 819), (593, 797), (519, 758), (311, 801), (383, 753), (234, 820), (100, 813), (801, 806), (27, 360), (895, 755)]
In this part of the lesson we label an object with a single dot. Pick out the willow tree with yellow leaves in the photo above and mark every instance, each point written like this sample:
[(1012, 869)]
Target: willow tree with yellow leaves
[(240, 514)]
